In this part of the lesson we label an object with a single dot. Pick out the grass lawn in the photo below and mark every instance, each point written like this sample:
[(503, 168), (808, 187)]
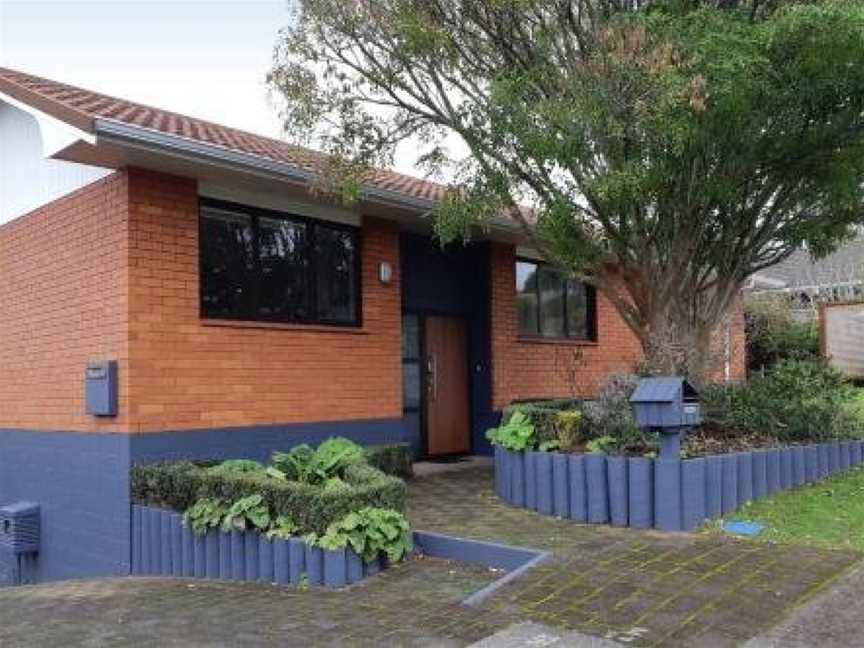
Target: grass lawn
[(827, 514)]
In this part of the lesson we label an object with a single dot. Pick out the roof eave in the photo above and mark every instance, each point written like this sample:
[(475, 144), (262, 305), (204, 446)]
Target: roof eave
[(113, 131)]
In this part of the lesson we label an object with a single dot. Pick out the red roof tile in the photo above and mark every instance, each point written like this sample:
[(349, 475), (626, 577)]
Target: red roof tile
[(80, 108)]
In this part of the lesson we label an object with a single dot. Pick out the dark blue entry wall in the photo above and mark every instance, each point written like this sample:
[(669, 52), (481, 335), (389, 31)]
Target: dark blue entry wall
[(455, 281)]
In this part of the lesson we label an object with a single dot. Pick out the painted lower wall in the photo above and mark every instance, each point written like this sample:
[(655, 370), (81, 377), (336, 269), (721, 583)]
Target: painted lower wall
[(81, 480)]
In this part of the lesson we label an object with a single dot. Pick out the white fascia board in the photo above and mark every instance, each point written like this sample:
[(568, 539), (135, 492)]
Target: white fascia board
[(56, 134)]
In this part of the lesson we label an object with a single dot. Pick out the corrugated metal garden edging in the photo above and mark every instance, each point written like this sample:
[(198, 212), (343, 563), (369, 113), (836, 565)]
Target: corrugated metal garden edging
[(668, 494), (163, 546)]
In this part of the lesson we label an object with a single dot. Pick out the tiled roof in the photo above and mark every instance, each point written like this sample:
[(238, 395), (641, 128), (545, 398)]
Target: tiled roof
[(81, 108), (800, 270)]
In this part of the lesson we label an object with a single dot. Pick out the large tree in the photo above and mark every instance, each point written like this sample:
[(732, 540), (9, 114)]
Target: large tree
[(667, 149)]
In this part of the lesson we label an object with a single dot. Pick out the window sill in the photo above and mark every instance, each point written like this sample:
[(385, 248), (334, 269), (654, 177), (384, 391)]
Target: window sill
[(530, 339), (285, 326)]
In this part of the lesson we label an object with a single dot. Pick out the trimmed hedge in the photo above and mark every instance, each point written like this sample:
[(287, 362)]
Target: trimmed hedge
[(542, 413), (392, 459), (177, 485)]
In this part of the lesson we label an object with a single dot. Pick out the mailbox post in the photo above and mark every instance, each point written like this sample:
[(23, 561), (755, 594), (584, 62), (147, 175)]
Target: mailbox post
[(670, 405)]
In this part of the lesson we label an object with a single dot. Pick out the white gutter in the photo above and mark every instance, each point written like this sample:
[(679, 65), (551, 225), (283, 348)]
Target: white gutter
[(148, 139)]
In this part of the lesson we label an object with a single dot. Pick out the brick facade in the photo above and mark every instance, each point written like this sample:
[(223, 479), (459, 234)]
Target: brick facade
[(111, 271), (63, 301), (188, 373), (524, 369)]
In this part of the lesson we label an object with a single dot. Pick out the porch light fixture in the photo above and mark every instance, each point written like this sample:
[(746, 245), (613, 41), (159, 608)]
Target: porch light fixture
[(385, 273)]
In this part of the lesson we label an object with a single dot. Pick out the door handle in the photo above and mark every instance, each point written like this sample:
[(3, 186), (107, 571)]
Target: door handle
[(431, 377)]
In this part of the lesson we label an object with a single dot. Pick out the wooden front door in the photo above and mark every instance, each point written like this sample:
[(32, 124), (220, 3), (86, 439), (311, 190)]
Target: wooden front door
[(448, 429)]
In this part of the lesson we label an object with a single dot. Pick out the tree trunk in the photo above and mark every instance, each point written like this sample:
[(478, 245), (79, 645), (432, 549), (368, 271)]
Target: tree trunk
[(680, 332)]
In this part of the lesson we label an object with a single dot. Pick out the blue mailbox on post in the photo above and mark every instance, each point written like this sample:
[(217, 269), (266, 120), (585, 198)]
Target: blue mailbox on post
[(670, 405)]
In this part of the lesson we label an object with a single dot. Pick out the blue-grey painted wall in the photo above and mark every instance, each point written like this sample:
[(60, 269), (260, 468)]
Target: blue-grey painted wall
[(259, 441), (81, 480), (455, 281)]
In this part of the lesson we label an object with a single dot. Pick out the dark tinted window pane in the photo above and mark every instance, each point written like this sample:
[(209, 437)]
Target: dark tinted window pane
[(526, 297), (227, 264), (283, 250), (336, 270), (411, 385), (411, 337), (577, 310), (551, 285)]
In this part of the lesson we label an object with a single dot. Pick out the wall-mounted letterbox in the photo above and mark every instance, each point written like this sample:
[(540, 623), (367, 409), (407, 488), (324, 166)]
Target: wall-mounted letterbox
[(101, 388)]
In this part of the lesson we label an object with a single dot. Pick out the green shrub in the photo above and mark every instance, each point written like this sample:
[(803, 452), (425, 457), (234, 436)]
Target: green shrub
[(795, 401), (773, 335), (370, 532), (238, 466), (328, 460), (517, 434), (180, 485), (568, 425), (543, 414), (392, 459)]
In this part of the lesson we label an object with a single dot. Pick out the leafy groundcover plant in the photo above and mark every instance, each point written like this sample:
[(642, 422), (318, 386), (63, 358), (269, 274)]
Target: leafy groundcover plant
[(318, 493)]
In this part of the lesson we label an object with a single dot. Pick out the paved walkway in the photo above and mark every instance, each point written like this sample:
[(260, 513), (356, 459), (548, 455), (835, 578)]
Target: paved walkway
[(830, 620), (632, 587)]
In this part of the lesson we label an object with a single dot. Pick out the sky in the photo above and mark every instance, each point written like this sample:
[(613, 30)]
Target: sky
[(204, 58)]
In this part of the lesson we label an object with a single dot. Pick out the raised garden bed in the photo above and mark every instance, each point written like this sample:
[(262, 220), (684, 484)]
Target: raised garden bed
[(163, 546), (321, 516), (666, 494)]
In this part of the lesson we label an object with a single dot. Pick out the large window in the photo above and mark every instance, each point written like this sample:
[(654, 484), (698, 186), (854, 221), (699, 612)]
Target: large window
[(551, 305), (262, 265)]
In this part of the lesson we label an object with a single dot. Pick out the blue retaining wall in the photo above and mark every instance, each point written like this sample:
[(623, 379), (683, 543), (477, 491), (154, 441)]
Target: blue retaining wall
[(81, 481), (666, 494), (163, 546)]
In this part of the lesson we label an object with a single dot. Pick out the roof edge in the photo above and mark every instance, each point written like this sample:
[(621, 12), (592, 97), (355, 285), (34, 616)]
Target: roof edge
[(51, 107), (113, 130)]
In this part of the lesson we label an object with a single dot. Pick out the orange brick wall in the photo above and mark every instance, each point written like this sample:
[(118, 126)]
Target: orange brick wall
[(538, 368), (524, 369), (63, 289), (186, 373)]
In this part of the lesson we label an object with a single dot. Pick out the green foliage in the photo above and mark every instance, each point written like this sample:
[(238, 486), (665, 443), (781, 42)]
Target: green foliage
[(610, 418), (689, 143), (829, 513), (774, 335), (248, 512), (370, 532), (543, 414), (392, 459), (205, 514), (567, 427), (795, 401), (516, 434), (328, 460), (604, 445), (238, 466), (283, 527), (311, 507)]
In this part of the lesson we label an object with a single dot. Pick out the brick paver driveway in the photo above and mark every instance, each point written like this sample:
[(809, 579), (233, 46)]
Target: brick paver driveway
[(641, 588)]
